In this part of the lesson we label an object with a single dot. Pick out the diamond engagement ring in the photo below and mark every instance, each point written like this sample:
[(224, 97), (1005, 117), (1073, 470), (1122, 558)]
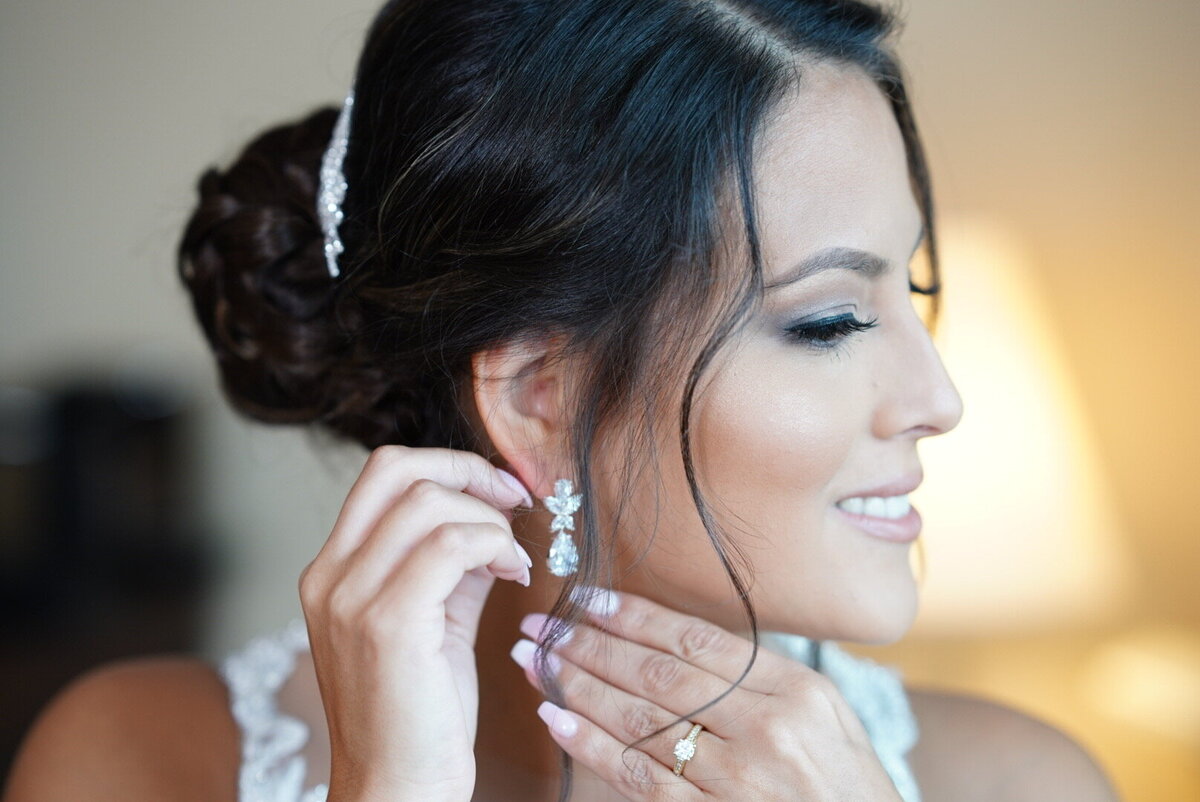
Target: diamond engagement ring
[(685, 748)]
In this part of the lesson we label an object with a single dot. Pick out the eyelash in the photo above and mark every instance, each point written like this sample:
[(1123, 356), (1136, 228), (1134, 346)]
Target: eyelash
[(827, 334)]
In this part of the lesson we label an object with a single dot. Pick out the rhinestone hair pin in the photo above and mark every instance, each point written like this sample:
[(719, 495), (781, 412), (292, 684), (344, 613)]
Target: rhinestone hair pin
[(332, 190)]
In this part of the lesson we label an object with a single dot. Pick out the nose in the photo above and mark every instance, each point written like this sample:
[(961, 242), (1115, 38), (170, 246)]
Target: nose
[(920, 398)]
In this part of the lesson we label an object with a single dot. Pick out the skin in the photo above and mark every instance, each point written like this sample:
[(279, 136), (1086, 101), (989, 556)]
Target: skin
[(817, 426), (403, 606), (820, 425)]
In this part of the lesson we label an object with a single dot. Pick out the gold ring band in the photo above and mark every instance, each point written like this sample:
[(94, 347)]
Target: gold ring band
[(685, 748)]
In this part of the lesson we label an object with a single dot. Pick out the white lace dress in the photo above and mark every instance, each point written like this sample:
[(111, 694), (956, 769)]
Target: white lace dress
[(274, 763)]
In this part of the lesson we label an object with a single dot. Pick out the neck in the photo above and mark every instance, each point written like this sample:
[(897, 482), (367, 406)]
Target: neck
[(515, 756)]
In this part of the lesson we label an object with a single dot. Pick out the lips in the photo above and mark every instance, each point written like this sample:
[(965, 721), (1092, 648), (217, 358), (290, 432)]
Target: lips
[(899, 530)]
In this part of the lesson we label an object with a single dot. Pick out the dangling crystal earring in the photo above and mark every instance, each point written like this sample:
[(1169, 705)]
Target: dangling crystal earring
[(564, 558)]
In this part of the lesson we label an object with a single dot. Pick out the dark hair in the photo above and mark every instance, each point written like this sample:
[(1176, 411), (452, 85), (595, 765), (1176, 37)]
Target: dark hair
[(518, 167)]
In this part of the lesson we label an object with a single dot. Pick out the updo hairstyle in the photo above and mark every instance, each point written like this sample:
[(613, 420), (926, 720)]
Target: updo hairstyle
[(517, 168)]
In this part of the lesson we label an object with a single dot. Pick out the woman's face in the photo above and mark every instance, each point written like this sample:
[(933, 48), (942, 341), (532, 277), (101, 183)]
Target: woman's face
[(784, 428)]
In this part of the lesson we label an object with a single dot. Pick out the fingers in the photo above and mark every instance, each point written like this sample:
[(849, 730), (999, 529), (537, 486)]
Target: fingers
[(692, 640), (417, 589), (422, 506), (654, 677), (390, 470), (634, 666), (409, 609), (633, 773), (630, 719), (402, 498)]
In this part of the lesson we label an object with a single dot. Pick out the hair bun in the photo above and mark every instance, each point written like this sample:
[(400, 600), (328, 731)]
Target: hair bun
[(252, 258)]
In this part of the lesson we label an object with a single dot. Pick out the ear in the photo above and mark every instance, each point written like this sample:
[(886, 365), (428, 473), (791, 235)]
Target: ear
[(519, 390)]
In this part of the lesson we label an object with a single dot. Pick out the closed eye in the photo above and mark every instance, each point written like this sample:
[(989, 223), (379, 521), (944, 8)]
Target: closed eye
[(824, 335), (932, 289)]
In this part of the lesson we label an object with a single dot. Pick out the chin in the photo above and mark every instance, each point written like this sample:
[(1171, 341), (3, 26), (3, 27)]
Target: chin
[(880, 615), (891, 617), (882, 620)]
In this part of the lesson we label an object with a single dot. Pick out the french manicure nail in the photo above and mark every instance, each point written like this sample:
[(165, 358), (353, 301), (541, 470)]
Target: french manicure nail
[(557, 719), (516, 485), (522, 653), (524, 555), (597, 601), (533, 624)]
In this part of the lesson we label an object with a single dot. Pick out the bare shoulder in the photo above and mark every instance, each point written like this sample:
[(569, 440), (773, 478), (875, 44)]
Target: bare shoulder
[(972, 749), (152, 728)]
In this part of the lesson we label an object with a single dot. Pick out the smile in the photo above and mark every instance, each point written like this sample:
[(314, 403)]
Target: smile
[(890, 518), (891, 507)]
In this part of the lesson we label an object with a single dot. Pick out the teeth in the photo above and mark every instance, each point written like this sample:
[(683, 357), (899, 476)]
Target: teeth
[(877, 506)]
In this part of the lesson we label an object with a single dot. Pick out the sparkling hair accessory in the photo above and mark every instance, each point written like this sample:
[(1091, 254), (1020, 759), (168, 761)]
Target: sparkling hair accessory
[(332, 189)]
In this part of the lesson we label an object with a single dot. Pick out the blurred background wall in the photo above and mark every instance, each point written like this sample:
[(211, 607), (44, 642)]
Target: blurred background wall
[(1063, 139)]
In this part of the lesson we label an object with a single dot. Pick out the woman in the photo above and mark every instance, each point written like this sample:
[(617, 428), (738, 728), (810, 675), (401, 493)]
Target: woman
[(643, 260)]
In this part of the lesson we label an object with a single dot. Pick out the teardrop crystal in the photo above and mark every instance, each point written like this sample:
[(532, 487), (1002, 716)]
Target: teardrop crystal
[(564, 559)]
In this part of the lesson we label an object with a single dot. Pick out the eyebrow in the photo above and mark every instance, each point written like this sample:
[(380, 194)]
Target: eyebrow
[(865, 263)]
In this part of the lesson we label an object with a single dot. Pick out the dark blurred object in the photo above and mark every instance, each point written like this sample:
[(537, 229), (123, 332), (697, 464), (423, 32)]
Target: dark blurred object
[(96, 558)]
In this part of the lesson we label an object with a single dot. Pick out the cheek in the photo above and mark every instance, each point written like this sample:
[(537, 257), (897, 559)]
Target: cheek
[(770, 434), (775, 431), (777, 436)]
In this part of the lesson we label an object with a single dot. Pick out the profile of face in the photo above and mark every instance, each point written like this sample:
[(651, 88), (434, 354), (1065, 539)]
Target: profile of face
[(787, 422)]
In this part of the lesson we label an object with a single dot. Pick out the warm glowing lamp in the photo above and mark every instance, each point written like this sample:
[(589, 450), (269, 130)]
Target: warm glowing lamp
[(1020, 533)]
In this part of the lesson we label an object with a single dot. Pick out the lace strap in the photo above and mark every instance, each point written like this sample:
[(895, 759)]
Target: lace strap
[(272, 770)]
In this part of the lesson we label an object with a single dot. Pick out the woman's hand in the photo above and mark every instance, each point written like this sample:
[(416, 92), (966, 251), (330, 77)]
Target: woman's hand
[(785, 732), (392, 603)]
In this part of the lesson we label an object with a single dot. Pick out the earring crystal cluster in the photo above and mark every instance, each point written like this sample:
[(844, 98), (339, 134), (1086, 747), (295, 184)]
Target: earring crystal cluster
[(564, 558)]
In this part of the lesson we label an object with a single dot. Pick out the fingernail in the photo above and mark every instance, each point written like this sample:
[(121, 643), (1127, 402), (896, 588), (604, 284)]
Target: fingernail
[(523, 652), (597, 601), (533, 624), (516, 485), (558, 720), (524, 555)]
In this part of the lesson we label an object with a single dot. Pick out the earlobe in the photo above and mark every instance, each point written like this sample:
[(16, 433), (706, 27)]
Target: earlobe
[(519, 398)]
